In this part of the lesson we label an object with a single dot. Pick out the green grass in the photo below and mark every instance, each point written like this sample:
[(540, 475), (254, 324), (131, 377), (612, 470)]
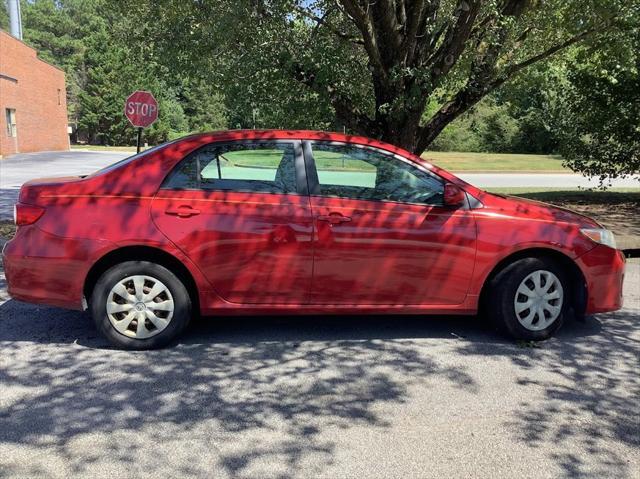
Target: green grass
[(325, 160), (449, 160), (104, 148), (490, 162), (626, 194), (493, 162)]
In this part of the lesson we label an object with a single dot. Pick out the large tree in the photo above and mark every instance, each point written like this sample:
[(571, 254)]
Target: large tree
[(378, 64), (597, 119)]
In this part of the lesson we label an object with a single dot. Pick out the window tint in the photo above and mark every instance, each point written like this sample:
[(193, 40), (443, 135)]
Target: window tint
[(364, 173), (267, 167)]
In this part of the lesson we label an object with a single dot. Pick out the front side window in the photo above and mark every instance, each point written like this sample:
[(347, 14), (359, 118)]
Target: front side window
[(367, 174), (266, 167)]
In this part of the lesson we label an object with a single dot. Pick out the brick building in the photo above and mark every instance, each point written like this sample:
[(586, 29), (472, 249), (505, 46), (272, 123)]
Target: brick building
[(33, 103)]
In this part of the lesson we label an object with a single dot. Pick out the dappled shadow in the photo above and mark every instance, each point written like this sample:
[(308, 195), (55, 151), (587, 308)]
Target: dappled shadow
[(285, 383), (238, 374), (616, 210), (584, 393), (245, 392)]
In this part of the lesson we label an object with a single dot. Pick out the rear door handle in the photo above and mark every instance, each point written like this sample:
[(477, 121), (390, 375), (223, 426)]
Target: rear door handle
[(182, 211), (334, 218)]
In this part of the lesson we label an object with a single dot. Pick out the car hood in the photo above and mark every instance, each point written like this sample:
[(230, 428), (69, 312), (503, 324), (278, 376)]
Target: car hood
[(538, 210)]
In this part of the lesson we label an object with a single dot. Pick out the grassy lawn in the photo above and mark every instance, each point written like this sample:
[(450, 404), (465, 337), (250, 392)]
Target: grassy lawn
[(449, 160), (131, 149), (612, 194), (325, 160), (493, 162), (455, 162)]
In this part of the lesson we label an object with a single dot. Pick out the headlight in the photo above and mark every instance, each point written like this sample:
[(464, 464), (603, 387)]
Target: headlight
[(600, 236)]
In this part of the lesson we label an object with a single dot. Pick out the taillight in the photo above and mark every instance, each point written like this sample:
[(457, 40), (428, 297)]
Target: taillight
[(26, 214)]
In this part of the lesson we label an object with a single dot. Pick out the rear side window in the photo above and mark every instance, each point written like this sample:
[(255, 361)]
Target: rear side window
[(367, 174), (266, 167)]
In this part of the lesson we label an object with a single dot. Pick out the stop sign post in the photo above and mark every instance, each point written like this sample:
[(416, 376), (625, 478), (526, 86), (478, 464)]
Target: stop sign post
[(141, 109)]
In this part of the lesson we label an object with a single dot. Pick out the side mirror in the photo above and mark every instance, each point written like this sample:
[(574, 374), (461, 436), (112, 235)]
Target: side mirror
[(453, 195)]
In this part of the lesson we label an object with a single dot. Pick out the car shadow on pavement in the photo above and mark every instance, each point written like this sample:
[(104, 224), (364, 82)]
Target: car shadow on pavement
[(54, 325), (297, 376)]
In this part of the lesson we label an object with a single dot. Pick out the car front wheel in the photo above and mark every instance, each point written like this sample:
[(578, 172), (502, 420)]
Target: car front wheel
[(140, 305), (528, 299)]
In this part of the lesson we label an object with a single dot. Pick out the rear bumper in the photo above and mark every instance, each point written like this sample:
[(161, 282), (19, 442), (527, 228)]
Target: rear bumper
[(47, 269), (603, 268)]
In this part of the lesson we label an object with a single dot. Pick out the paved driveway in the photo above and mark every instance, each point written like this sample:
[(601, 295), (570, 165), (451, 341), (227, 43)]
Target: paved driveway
[(321, 397)]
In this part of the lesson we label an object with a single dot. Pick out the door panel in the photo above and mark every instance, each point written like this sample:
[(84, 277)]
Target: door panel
[(255, 247), (382, 234), (389, 253)]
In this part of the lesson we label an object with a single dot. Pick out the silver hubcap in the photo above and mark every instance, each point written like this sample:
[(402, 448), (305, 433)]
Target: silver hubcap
[(140, 306), (538, 301)]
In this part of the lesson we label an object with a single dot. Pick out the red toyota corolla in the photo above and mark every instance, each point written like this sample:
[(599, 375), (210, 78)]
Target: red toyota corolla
[(294, 222)]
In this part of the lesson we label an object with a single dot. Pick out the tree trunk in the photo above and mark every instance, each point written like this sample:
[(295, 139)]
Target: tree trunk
[(409, 58), (402, 132)]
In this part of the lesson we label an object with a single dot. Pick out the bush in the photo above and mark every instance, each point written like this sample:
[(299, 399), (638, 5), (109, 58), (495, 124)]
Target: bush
[(489, 127)]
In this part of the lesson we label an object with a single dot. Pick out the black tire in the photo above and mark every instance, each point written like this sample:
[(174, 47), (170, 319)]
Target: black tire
[(181, 305), (502, 293)]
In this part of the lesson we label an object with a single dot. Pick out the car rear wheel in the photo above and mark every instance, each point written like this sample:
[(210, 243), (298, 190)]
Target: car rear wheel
[(528, 299), (140, 305)]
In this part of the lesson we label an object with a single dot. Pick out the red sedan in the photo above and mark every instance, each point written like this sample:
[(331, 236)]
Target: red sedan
[(294, 222)]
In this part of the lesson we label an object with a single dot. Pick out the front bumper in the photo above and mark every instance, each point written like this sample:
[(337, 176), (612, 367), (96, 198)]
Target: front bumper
[(603, 268)]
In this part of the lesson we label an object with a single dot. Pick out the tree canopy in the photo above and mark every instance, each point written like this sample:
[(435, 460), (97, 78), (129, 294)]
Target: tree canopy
[(484, 75), (379, 65)]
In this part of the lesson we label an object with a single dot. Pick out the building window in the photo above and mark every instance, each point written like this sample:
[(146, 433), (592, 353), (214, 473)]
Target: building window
[(11, 122)]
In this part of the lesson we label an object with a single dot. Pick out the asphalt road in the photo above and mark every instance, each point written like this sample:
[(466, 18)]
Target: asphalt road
[(17, 169), (405, 397)]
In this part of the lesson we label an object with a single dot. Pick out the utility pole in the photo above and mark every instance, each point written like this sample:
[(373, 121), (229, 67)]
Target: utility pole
[(15, 18)]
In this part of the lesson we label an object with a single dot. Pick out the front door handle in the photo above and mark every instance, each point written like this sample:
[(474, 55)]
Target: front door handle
[(182, 211), (334, 218)]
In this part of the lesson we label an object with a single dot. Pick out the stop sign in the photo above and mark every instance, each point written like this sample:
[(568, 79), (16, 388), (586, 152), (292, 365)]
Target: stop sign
[(141, 108)]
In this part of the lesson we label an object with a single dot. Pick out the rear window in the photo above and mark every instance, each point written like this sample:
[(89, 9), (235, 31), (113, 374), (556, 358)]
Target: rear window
[(129, 159), (259, 166)]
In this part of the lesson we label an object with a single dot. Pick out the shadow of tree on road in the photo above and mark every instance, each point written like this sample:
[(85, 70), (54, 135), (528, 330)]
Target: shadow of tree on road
[(244, 374), (590, 390), (285, 382)]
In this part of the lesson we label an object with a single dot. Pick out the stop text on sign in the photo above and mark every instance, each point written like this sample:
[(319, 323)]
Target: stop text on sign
[(143, 109)]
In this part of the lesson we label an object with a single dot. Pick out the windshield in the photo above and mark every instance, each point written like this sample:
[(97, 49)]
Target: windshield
[(129, 159)]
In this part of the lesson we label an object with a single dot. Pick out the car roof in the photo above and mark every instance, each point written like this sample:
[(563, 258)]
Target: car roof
[(224, 135)]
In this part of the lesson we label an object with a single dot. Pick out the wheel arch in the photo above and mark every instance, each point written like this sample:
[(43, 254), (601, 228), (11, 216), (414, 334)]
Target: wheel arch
[(576, 278), (142, 253)]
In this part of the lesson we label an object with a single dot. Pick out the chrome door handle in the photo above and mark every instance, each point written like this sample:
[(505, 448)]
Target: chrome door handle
[(182, 211), (334, 218)]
